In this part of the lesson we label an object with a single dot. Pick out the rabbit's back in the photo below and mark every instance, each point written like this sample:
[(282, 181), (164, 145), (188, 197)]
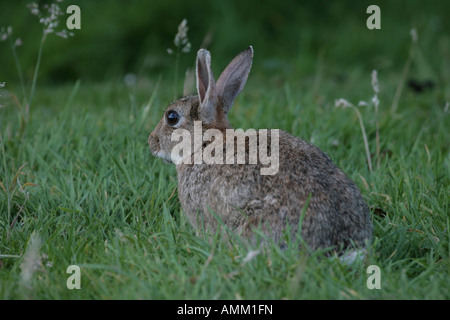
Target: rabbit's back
[(245, 200)]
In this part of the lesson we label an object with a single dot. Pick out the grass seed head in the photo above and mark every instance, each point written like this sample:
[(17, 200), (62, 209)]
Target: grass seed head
[(181, 39)]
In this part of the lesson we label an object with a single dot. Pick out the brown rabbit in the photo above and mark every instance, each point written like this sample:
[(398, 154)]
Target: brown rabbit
[(307, 189)]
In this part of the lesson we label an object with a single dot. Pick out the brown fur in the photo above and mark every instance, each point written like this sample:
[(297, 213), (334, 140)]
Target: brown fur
[(245, 200)]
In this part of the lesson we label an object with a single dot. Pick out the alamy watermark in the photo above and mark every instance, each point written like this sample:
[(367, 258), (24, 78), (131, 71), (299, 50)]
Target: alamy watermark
[(251, 146), (374, 20), (74, 281), (374, 280), (74, 20)]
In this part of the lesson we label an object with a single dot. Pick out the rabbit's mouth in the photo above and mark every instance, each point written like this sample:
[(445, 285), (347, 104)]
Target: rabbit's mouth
[(162, 155)]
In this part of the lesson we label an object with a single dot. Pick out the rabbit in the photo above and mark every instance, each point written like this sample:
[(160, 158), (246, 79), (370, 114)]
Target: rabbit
[(308, 190)]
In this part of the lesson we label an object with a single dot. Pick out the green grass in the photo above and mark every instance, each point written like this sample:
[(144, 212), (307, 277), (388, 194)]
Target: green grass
[(79, 186), (99, 200)]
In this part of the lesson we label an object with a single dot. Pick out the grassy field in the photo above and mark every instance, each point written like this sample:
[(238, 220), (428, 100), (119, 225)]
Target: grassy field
[(80, 187)]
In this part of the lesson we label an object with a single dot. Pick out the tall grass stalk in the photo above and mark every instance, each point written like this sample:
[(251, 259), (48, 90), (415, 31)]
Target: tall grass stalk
[(177, 61), (345, 104), (18, 66), (6, 178), (405, 72), (49, 17), (182, 45), (376, 103), (364, 135), (36, 72)]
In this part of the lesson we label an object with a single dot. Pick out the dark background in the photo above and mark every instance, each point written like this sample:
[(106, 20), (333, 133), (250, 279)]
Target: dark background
[(121, 37)]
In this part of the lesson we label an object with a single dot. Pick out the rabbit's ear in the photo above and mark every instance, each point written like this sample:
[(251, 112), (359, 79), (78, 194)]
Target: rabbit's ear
[(234, 77), (206, 86)]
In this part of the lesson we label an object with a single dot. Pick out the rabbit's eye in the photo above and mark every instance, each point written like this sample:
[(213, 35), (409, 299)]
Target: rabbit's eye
[(172, 118)]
